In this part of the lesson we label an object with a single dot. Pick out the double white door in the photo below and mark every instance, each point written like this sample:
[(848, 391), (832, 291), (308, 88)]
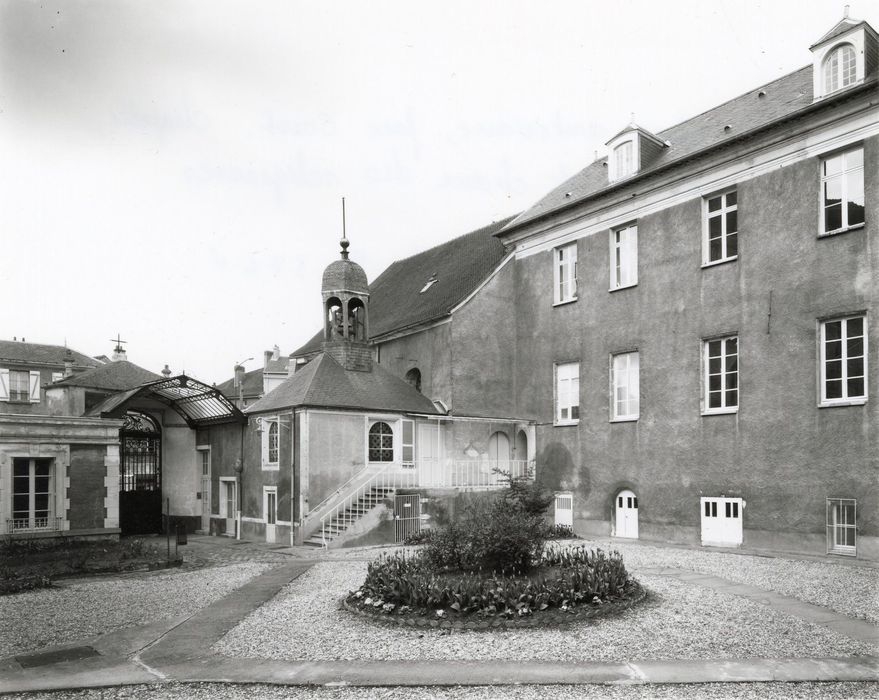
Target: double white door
[(722, 521)]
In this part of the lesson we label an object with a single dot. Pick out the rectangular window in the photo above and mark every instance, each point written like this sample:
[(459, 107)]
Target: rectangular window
[(720, 228), (565, 273), (408, 443), (205, 459), (624, 257), (842, 191), (842, 526), (624, 384), (567, 393), (32, 494), (843, 360), (270, 504), (721, 378), (19, 385)]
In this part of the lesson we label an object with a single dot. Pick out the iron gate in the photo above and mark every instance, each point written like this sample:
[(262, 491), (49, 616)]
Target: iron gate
[(140, 475), (407, 516)]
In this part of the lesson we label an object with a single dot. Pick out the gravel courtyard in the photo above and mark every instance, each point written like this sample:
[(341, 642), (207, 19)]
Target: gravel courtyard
[(679, 621)]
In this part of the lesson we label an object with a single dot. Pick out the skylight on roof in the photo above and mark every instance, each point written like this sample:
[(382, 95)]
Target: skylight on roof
[(429, 284)]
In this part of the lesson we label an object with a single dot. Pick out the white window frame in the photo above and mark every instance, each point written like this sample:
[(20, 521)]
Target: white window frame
[(842, 175), (722, 213), (396, 430), (845, 399), (407, 445), (707, 409), (222, 506), (838, 72), (625, 368), (623, 159), (566, 381), (266, 424), (564, 274), (623, 257), (31, 523), (833, 526), (266, 491)]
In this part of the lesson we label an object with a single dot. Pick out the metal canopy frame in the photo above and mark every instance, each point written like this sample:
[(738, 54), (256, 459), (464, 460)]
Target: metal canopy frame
[(197, 403)]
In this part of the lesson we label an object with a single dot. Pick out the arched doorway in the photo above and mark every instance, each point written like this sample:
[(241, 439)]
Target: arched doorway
[(499, 450), (521, 445), (140, 475), (413, 376), (626, 510)]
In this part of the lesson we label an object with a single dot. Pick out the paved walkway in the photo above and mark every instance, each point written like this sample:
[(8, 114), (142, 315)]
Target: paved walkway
[(180, 649)]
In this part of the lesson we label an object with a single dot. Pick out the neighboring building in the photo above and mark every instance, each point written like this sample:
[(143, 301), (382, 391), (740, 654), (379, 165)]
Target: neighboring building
[(695, 319), (342, 434), (92, 448), (246, 388)]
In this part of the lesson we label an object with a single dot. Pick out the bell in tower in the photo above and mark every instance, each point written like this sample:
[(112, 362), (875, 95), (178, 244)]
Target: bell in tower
[(345, 293)]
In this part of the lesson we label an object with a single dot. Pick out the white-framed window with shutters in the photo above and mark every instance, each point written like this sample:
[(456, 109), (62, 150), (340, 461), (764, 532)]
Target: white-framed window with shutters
[(624, 257), (720, 228), (567, 393), (842, 192), (843, 361), (565, 274), (720, 362), (19, 386), (842, 529), (625, 389), (271, 431)]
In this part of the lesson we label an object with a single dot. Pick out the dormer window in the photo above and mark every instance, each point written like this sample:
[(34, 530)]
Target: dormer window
[(624, 160), (840, 68)]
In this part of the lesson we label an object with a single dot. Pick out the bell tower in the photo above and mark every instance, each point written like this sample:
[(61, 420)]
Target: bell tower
[(345, 293)]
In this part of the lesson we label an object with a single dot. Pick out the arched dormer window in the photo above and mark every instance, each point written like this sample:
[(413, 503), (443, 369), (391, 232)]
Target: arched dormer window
[(335, 320), (357, 319), (413, 376), (840, 68), (381, 443), (624, 160)]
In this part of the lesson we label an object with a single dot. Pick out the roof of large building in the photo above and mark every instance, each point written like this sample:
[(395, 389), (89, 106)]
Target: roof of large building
[(253, 384), (37, 353), (405, 296), (323, 382), (754, 109), (113, 376)]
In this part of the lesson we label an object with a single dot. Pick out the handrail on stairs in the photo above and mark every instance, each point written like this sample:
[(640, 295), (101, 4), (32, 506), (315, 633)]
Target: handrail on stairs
[(388, 476)]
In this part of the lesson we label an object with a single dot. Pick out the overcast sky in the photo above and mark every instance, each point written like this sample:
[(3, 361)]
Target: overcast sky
[(172, 170)]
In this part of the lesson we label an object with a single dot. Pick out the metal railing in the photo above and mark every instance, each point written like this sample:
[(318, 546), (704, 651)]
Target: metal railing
[(45, 524), (338, 514)]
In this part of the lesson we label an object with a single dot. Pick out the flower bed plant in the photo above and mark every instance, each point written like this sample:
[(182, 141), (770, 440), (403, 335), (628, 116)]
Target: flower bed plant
[(491, 563)]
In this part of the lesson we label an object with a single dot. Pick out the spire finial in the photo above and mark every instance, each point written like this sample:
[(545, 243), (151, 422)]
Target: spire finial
[(344, 242), (845, 12)]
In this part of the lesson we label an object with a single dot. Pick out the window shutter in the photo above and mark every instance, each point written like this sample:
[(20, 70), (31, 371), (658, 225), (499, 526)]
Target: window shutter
[(35, 387), (632, 245), (4, 385)]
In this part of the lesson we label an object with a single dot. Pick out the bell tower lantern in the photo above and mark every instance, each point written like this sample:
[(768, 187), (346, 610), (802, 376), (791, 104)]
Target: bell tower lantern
[(345, 293)]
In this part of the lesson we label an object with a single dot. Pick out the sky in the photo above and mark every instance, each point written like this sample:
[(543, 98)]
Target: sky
[(172, 170)]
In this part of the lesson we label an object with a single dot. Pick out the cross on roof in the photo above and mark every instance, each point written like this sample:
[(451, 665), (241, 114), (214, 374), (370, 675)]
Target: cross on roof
[(118, 340)]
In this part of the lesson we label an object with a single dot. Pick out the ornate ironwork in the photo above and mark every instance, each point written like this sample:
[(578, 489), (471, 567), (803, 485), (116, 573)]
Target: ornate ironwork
[(138, 423)]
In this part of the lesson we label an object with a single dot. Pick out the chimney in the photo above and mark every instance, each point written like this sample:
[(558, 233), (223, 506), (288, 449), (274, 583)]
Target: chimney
[(276, 353), (238, 381), (266, 356), (166, 372), (68, 363)]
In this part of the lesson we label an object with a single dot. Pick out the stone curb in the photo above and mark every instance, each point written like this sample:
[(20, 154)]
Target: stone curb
[(546, 618)]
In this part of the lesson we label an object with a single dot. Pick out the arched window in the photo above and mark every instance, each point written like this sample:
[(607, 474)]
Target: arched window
[(273, 442), (335, 321), (413, 376), (381, 443), (840, 68), (624, 160)]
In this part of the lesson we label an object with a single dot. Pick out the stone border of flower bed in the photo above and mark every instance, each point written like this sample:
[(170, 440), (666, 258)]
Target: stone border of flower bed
[(546, 618)]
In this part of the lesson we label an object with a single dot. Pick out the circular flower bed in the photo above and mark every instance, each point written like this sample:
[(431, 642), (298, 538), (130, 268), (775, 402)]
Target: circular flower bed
[(564, 585)]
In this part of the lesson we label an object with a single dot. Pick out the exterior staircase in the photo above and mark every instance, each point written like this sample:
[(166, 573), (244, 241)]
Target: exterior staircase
[(342, 519)]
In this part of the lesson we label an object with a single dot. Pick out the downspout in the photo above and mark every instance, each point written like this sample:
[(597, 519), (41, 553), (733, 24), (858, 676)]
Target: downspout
[(240, 483)]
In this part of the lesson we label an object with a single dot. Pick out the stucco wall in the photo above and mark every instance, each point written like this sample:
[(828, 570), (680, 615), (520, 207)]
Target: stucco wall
[(430, 352), (87, 472), (181, 474), (336, 451), (484, 349), (780, 452)]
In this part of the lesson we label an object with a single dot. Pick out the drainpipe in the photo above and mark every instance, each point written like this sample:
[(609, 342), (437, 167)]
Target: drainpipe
[(294, 487), (239, 483)]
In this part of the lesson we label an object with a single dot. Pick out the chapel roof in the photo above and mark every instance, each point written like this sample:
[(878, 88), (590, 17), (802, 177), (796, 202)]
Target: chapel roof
[(324, 383), (113, 376)]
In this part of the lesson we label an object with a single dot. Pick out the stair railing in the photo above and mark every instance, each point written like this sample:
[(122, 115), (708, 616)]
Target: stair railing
[(390, 476)]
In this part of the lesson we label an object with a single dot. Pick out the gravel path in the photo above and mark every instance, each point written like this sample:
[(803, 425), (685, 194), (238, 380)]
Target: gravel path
[(850, 590), (708, 691), (89, 607), (680, 622)]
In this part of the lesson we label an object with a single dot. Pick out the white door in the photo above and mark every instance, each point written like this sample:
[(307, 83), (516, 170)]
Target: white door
[(429, 467), (564, 509), (228, 505), (270, 510), (205, 458), (498, 457), (627, 515), (722, 521)]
